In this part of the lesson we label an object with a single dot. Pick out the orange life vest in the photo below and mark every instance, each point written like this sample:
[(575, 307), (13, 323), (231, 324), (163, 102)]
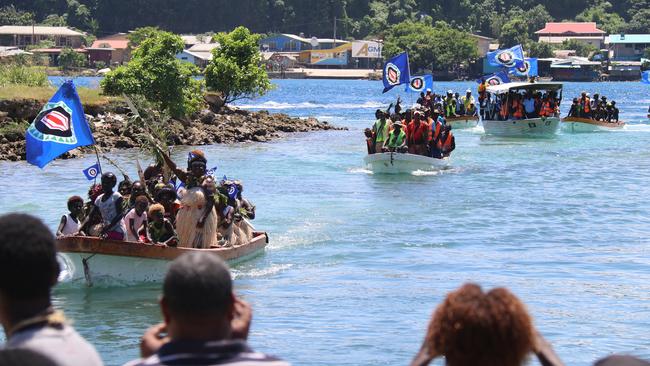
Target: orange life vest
[(546, 110), (518, 109), (586, 104), (504, 111), (436, 132), (445, 145)]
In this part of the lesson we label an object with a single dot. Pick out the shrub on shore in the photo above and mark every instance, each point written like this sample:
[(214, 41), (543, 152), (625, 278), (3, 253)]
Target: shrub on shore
[(22, 75)]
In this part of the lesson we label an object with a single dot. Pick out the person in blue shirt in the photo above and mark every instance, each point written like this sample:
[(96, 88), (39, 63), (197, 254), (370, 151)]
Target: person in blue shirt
[(529, 105)]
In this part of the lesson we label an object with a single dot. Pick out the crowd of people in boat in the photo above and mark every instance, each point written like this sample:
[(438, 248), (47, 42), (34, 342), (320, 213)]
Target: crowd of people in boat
[(188, 210), (596, 108), (451, 105), (420, 131), (206, 323), (516, 105)]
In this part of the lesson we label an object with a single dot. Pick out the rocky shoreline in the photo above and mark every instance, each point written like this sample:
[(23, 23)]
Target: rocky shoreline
[(111, 130)]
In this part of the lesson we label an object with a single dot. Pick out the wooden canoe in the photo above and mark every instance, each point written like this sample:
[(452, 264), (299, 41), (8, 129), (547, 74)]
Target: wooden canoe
[(90, 258)]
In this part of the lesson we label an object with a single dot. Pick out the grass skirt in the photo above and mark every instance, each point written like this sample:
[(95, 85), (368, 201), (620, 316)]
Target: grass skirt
[(192, 207)]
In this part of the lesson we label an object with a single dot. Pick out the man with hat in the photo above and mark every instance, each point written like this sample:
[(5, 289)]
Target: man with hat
[(417, 134), (467, 100), (449, 107)]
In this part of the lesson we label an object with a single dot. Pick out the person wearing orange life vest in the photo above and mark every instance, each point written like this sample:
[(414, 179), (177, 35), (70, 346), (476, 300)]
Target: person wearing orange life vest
[(517, 108), (585, 105), (547, 108), (444, 144), (417, 134), (503, 107)]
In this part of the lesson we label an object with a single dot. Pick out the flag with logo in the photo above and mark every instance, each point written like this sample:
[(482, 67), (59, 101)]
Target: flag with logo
[(211, 172), (495, 79), (526, 68), (93, 171), (420, 83), (645, 77), (59, 127), (509, 57), (396, 71)]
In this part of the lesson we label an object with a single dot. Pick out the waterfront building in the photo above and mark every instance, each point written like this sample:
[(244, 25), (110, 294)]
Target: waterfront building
[(627, 47), (586, 32), (23, 36)]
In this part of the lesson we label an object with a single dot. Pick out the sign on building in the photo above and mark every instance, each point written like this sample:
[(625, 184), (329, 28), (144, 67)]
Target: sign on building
[(366, 49)]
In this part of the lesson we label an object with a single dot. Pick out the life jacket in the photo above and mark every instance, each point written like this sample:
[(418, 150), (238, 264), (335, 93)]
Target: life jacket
[(467, 101), (503, 112), (546, 110), (436, 127), (395, 141), (481, 88), (518, 109), (449, 109), (380, 129), (444, 145), (586, 104)]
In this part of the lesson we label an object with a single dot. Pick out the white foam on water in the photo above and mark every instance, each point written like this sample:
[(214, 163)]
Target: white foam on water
[(310, 105), (259, 272), (360, 171), (425, 173)]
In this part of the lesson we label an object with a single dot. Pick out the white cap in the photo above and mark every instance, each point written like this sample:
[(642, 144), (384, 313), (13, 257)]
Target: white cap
[(428, 89), (450, 91), (468, 91)]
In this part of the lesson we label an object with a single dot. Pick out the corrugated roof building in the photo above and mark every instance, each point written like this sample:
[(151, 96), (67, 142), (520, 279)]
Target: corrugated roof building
[(23, 36), (586, 32), (627, 47)]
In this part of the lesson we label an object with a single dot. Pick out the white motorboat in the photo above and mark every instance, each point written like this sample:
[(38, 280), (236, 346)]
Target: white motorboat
[(526, 127), (402, 163), (578, 124)]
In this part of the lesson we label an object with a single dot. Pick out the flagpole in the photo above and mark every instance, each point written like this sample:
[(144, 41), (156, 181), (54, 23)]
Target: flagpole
[(99, 163)]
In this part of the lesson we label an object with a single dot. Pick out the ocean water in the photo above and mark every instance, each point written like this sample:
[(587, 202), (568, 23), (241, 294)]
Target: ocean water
[(357, 262)]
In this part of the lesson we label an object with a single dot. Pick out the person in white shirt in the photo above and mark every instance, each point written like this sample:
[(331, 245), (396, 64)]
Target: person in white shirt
[(69, 224), (136, 218)]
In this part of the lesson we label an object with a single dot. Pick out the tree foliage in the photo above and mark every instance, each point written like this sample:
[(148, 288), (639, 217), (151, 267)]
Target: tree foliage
[(9, 15), (140, 34), (601, 13), (69, 58), (234, 70), (158, 76), (435, 47), (582, 49)]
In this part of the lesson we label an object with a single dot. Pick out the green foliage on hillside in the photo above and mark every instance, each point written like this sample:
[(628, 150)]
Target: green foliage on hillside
[(158, 76), (355, 18)]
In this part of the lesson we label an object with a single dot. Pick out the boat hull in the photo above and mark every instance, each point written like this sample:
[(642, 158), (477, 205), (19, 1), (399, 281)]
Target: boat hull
[(580, 125), (396, 163), (92, 259), (459, 123), (533, 127)]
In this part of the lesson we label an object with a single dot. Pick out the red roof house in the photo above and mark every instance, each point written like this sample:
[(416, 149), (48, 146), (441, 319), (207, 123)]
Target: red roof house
[(113, 49), (586, 32)]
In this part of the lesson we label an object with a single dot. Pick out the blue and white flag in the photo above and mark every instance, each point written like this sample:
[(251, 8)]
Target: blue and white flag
[(396, 71), (211, 172), (509, 57), (645, 77), (526, 68), (233, 191), (93, 171), (495, 79), (420, 83), (59, 127)]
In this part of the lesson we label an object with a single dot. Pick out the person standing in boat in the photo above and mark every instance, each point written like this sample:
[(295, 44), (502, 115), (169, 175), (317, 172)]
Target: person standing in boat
[(417, 135), (467, 100), (110, 206), (380, 130), (529, 105), (585, 105), (69, 224), (196, 221), (574, 111)]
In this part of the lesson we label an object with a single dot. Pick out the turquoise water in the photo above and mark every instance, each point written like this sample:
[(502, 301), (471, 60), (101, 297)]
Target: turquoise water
[(358, 262)]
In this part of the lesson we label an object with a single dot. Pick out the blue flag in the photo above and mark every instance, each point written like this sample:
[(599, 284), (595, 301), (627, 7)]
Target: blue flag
[(396, 71), (420, 83), (92, 171), (526, 68), (211, 172), (495, 79), (509, 57), (59, 127), (645, 77)]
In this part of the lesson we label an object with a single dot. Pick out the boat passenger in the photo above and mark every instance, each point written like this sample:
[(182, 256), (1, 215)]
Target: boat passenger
[(585, 105), (467, 100), (517, 107), (205, 322), (529, 105), (92, 225), (168, 198), (125, 188), (196, 222), (482, 90), (110, 205), (380, 130), (396, 139), (574, 111), (476, 327), (460, 108), (247, 208), (450, 108), (417, 135), (135, 219), (69, 224), (471, 110), (160, 230), (29, 269), (595, 102), (137, 190), (547, 108), (612, 112), (421, 99), (447, 141), (503, 108), (398, 106)]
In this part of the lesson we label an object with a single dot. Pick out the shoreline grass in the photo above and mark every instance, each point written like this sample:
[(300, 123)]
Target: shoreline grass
[(44, 93)]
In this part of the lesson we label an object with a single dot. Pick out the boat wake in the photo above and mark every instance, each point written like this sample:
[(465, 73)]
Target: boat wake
[(310, 105), (252, 272), (360, 171), (426, 173)]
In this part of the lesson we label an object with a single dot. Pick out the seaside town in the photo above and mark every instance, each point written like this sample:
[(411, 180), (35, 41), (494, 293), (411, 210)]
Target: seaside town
[(186, 183)]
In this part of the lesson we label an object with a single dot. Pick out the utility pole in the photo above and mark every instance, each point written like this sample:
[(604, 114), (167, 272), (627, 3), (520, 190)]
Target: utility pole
[(334, 44)]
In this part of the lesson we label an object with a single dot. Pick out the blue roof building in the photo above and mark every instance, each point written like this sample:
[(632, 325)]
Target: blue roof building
[(627, 47)]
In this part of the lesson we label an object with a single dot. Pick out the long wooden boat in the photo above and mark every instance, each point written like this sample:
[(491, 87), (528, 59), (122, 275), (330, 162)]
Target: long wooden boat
[(526, 127), (402, 163), (578, 124), (90, 258), (462, 122)]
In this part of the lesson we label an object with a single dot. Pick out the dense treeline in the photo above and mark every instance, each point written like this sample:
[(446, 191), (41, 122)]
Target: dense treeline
[(355, 18)]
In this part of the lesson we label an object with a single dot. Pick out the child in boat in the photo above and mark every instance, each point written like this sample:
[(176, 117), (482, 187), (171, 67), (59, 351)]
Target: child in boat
[(136, 218), (160, 230), (109, 204), (69, 224), (167, 197)]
